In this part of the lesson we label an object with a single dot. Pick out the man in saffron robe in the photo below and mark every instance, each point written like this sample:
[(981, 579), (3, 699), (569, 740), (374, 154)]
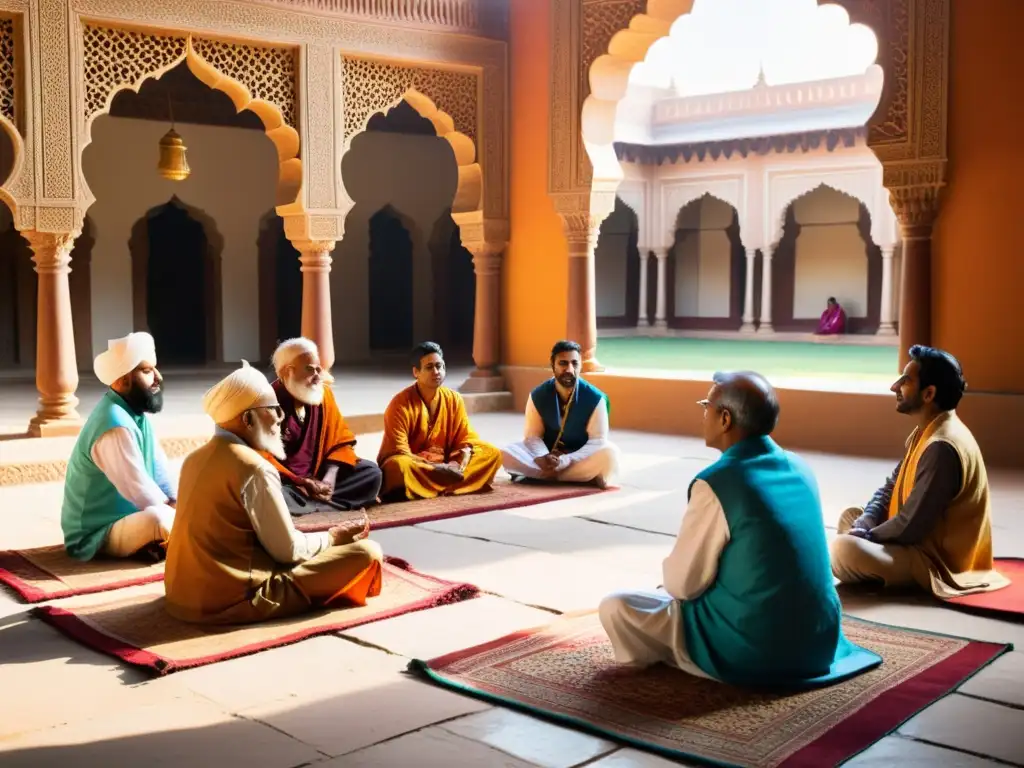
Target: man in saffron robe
[(833, 319), (748, 595), (566, 434), (429, 448), (235, 556), (320, 469), (930, 524), (119, 492)]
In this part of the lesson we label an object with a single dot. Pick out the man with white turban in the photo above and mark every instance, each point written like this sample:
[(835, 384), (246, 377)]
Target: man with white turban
[(119, 493), (320, 467), (235, 557)]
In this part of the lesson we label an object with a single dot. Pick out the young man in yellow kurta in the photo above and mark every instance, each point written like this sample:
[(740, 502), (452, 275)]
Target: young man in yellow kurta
[(931, 523), (429, 448)]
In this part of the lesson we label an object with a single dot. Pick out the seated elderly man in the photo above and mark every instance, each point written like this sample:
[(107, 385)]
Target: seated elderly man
[(320, 467), (234, 556), (930, 525), (118, 490), (566, 435), (748, 593), (429, 447)]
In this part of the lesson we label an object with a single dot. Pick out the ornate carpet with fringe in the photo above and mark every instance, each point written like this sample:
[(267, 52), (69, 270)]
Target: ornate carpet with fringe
[(136, 629), (48, 573), (566, 672)]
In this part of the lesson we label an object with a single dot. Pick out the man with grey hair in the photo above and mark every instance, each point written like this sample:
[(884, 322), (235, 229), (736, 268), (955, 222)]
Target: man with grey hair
[(747, 596), (320, 469)]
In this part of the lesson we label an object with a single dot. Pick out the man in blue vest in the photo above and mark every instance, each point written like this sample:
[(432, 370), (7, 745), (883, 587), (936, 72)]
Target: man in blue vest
[(748, 596), (566, 435), (119, 494)]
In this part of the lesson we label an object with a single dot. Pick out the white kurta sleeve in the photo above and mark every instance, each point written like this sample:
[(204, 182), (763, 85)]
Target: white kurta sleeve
[(597, 434), (118, 457), (692, 565), (533, 431), (165, 477), (264, 501)]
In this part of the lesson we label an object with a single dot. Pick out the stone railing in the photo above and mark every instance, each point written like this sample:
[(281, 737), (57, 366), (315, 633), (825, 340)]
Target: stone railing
[(466, 16)]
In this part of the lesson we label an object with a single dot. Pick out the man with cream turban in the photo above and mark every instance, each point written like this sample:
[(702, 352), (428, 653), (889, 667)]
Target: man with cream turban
[(320, 468), (235, 556), (118, 491)]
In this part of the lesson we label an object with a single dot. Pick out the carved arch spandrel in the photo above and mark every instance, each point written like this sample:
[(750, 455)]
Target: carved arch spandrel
[(363, 98), (12, 186), (117, 59)]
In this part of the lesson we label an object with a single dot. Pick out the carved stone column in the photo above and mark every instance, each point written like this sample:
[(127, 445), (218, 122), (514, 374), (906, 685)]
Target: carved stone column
[(56, 367), (885, 318), (315, 260), (486, 320), (660, 307), (581, 233), (915, 208), (748, 293), (642, 320), (766, 292)]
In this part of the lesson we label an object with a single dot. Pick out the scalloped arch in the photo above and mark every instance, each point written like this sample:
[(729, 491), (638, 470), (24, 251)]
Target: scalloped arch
[(18, 145), (283, 136), (634, 197), (844, 185), (469, 193)]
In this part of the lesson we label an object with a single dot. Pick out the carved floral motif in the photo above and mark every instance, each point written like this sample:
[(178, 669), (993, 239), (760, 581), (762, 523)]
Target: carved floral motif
[(371, 85), (454, 15), (8, 90)]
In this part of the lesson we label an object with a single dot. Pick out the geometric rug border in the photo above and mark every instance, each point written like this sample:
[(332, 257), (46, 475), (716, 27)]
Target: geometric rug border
[(82, 631), (907, 698)]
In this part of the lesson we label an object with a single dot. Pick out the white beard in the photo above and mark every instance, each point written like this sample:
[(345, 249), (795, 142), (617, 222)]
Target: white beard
[(272, 443), (304, 393)]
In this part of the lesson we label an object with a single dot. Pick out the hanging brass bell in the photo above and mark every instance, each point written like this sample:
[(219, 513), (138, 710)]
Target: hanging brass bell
[(173, 164)]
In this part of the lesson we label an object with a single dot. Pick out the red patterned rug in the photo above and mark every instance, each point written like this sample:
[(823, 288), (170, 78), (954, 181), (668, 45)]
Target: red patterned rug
[(137, 630), (566, 672), (1006, 603), (503, 495), (48, 573)]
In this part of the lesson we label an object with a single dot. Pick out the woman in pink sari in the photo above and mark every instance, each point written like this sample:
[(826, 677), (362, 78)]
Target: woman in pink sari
[(833, 319)]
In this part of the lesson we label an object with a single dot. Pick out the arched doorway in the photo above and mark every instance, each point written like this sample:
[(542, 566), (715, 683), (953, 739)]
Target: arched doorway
[(705, 271), (280, 285), (826, 250), (454, 290), (617, 269), (391, 282), (17, 296), (176, 282)]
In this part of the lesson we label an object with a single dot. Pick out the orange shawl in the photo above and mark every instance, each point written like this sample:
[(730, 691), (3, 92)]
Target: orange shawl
[(336, 442), (916, 445), (409, 430)]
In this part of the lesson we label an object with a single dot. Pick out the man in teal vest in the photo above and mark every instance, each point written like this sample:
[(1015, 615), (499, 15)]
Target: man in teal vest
[(566, 434), (119, 494), (748, 597)]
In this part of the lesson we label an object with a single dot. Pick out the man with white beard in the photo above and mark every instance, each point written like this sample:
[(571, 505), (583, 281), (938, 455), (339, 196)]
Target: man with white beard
[(320, 468), (234, 556)]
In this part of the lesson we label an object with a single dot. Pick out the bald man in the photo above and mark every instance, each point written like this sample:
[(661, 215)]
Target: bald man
[(234, 555), (748, 597), (320, 469)]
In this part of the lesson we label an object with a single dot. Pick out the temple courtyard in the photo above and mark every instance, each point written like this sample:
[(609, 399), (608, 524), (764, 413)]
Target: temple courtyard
[(346, 700)]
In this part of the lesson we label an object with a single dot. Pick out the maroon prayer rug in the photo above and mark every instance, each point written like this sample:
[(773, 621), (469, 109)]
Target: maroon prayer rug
[(1005, 603), (566, 672)]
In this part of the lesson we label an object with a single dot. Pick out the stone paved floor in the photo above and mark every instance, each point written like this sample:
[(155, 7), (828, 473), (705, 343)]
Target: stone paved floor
[(344, 701)]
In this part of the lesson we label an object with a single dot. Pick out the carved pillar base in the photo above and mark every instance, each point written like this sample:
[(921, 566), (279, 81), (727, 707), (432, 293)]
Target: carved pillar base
[(315, 260), (56, 367), (486, 376), (581, 232)]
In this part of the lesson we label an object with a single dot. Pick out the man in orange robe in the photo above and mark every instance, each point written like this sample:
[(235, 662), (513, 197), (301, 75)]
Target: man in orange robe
[(320, 468), (429, 448)]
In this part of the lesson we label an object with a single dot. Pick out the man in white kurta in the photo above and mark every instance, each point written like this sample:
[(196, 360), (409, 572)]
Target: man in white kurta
[(566, 433)]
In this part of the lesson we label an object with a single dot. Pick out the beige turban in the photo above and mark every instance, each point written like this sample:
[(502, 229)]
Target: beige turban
[(123, 356), (241, 390)]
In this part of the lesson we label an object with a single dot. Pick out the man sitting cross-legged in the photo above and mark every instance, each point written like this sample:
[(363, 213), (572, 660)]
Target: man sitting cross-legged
[(930, 525), (234, 556), (566, 435), (320, 467), (119, 491), (748, 593), (429, 448)]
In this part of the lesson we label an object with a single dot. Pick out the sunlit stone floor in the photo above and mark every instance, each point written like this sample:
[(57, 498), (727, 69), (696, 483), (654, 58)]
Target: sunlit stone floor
[(344, 701)]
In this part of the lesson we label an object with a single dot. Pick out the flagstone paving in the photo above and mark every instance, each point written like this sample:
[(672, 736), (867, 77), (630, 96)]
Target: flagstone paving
[(345, 700)]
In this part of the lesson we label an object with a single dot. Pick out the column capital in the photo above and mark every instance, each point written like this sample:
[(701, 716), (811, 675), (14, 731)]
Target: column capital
[(582, 229), (314, 255), (661, 252), (888, 251), (51, 251), (915, 189)]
